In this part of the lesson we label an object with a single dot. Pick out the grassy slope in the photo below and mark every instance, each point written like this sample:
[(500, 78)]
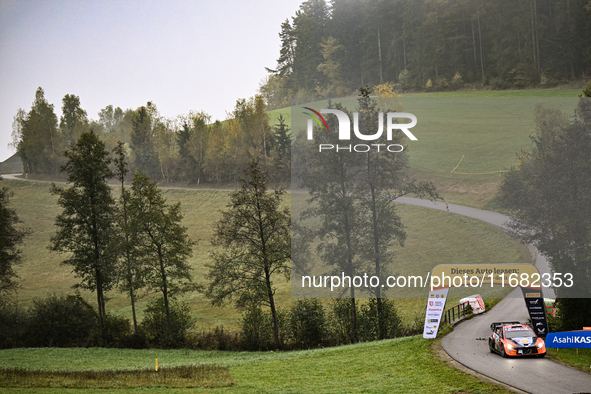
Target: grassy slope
[(391, 366), (487, 128), (576, 358), (434, 237)]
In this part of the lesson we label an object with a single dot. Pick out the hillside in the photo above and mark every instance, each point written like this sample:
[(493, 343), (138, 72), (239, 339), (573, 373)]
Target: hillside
[(433, 237)]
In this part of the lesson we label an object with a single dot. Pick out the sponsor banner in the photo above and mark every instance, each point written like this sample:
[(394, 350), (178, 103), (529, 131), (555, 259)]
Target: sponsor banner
[(477, 275), (569, 339), (435, 307), (534, 302)]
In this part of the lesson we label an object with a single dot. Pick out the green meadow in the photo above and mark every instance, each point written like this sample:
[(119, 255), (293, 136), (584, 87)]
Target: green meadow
[(433, 237), (390, 366), (466, 140)]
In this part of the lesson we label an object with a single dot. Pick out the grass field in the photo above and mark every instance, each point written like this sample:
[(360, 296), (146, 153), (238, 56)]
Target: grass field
[(474, 134), (433, 237), (402, 365)]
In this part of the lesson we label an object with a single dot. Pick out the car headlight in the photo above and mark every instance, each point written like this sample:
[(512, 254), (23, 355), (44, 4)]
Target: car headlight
[(540, 343), (510, 347)]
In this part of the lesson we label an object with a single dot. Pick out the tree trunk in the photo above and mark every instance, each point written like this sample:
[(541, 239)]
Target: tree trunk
[(165, 291), (273, 310), (404, 50), (474, 42), (100, 301), (380, 56), (537, 37), (480, 39), (128, 257)]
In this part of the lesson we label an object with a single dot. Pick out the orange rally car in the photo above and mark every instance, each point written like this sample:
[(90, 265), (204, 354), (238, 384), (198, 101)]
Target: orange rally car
[(515, 339)]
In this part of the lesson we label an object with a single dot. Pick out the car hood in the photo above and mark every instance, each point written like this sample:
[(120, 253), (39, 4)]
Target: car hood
[(523, 341)]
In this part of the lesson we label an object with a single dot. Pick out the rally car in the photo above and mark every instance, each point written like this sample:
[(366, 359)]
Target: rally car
[(515, 339)]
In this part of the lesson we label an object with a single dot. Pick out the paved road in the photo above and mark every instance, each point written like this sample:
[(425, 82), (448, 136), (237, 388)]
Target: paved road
[(468, 345)]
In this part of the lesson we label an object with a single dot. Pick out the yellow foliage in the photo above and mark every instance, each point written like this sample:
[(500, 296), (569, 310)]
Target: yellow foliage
[(388, 98)]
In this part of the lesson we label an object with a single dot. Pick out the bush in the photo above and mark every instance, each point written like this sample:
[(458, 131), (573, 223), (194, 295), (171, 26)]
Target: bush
[(257, 329), (573, 313), (405, 79), (12, 324), (61, 321), (117, 333), (441, 83), (307, 323), (339, 321), (457, 82), (370, 328), (218, 339), (155, 325)]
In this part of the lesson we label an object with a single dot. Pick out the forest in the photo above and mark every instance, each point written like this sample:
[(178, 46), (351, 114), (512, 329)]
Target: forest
[(188, 148), (331, 49)]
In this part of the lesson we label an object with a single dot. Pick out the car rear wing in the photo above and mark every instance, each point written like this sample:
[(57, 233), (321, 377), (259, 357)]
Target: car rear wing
[(502, 323)]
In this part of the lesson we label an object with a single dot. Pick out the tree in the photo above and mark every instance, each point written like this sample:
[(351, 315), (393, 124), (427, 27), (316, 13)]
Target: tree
[(254, 233), (383, 182), (11, 236), (332, 179), (331, 68), (550, 195), (283, 146), (163, 242), (73, 118), (131, 269), (37, 138), (143, 141), (85, 227)]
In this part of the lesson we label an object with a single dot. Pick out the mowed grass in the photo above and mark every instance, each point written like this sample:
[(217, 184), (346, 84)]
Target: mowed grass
[(401, 365), (577, 358), (466, 140), (433, 237)]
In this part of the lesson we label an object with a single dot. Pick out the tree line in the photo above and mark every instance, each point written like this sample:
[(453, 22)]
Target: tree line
[(189, 149), (331, 48)]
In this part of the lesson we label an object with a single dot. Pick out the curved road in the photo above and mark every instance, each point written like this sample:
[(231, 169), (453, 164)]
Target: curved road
[(468, 343)]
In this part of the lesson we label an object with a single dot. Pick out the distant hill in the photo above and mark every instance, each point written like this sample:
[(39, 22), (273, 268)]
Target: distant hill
[(12, 165)]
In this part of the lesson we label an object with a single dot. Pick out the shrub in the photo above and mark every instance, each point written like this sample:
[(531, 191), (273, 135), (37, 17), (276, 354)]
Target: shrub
[(405, 79), (370, 328), (217, 339), (339, 322), (117, 332), (307, 323), (457, 82), (61, 321), (155, 325), (441, 83), (257, 329), (12, 322)]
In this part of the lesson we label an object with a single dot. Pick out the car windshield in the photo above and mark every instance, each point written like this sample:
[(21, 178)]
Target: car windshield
[(519, 333)]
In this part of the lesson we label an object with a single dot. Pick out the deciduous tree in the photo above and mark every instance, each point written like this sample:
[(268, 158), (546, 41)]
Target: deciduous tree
[(254, 233), (163, 242), (11, 236), (550, 195), (85, 226)]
